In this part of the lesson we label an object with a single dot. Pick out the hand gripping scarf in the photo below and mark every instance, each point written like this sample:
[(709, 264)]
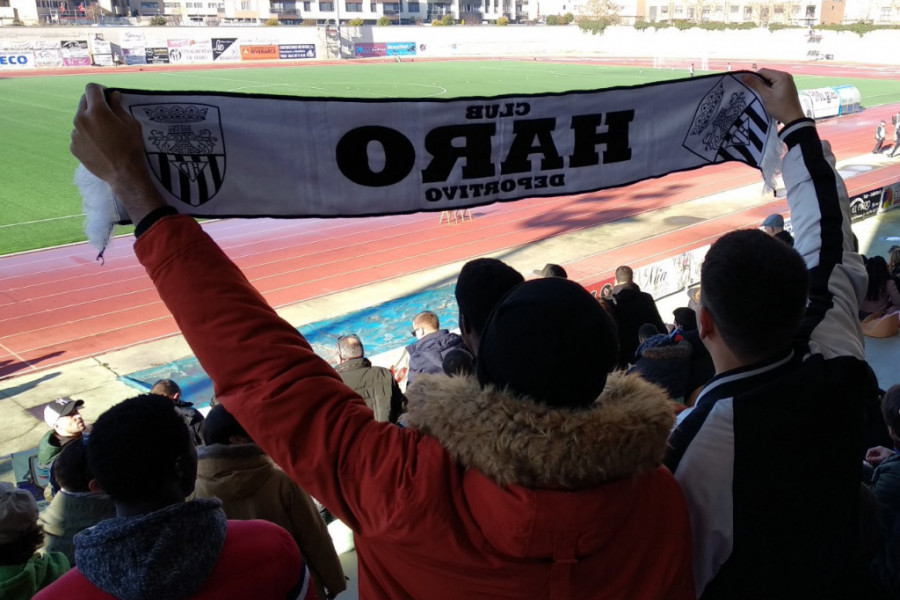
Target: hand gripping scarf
[(234, 155)]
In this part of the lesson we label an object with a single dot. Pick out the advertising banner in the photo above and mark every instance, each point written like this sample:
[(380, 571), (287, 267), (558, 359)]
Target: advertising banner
[(99, 45), (671, 275), (47, 53), (370, 50), (401, 48), (394, 156), (890, 197), (825, 102), (133, 48), (156, 55), (134, 56), (865, 205), (132, 39), (225, 50), (75, 53), (268, 52), (191, 52), (296, 51), (17, 59)]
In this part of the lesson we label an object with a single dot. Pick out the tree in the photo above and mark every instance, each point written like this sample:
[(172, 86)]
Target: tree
[(503, 21), (93, 11), (356, 22), (158, 21), (272, 22), (597, 15), (384, 21)]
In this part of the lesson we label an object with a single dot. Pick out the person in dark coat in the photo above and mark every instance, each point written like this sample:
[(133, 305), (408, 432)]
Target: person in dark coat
[(880, 134), (886, 487), (376, 385), (426, 354), (701, 365), (774, 226), (663, 359), (633, 309), (192, 417)]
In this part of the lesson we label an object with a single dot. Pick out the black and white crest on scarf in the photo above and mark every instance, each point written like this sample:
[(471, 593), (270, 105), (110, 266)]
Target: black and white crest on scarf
[(186, 149), (730, 124)]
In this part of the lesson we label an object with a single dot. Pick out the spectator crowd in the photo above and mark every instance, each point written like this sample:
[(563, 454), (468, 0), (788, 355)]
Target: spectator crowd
[(561, 445)]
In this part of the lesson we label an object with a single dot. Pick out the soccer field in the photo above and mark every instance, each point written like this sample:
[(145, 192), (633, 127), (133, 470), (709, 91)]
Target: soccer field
[(41, 206)]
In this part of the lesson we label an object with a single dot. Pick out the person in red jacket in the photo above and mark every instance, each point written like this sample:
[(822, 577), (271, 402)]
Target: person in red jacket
[(159, 546), (539, 476)]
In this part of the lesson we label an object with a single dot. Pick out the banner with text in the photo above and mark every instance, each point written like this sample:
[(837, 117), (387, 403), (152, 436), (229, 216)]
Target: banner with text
[(100, 45), (865, 205), (400, 48), (47, 53), (189, 52), (17, 59), (259, 52), (134, 48), (134, 56), (75, 53), (225, 50), (155, 55), (296, 51), (370, 50), (215, 154)]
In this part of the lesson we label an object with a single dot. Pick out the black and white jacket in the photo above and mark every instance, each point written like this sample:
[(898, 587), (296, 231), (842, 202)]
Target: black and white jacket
[(769, 456)]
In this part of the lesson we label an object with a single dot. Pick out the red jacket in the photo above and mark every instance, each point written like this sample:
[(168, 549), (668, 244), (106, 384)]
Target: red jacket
[(484, 496)]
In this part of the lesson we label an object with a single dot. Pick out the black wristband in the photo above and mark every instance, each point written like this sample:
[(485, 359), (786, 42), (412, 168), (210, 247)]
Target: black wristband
[(152, 217)]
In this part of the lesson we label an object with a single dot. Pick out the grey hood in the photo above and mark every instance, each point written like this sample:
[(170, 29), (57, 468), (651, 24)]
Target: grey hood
[(163, 555)]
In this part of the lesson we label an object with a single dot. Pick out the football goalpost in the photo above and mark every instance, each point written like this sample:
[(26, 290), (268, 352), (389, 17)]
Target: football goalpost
[(673, 63)]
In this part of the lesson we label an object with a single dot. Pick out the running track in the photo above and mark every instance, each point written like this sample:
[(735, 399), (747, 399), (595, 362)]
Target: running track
[(59, 305)]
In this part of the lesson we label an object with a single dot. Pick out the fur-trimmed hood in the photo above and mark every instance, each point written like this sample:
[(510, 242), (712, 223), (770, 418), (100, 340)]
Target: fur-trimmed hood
[(517, 441), (661, 347)]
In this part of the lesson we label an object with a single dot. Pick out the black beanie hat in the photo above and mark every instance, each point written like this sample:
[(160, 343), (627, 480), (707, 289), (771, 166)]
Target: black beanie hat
[(550, 340), (481, 284)]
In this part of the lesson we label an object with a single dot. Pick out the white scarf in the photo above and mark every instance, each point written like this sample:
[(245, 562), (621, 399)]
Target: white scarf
[(233, 155)]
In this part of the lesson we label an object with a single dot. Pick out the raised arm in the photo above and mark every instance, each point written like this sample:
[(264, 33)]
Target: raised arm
[(107, 141), (289, 400), (820, 216)]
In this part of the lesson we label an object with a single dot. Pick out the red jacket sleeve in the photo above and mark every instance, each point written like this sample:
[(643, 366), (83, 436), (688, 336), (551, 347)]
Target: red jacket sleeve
[(290, 401)]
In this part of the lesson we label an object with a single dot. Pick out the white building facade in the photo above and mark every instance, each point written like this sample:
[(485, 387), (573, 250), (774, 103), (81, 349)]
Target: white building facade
[(806, 13)]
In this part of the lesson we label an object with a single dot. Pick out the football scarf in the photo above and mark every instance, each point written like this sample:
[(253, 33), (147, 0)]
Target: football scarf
[(233, 155)]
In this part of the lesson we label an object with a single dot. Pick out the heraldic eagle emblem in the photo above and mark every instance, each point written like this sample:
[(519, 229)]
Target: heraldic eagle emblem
[(185, 148)]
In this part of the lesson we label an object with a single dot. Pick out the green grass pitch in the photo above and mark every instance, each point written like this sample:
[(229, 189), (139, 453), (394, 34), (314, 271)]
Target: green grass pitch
[(40, 206)]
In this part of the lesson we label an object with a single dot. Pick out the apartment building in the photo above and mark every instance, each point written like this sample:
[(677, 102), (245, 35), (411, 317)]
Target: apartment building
[(55, 12), (805, 13), (401, 12), (407, 12)]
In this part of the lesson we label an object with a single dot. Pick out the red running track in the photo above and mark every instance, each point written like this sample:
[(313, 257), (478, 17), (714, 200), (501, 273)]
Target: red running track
[(59, 305)]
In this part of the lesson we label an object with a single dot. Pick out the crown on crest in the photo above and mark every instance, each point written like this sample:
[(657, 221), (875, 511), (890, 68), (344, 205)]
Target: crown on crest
[(175, 113)]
